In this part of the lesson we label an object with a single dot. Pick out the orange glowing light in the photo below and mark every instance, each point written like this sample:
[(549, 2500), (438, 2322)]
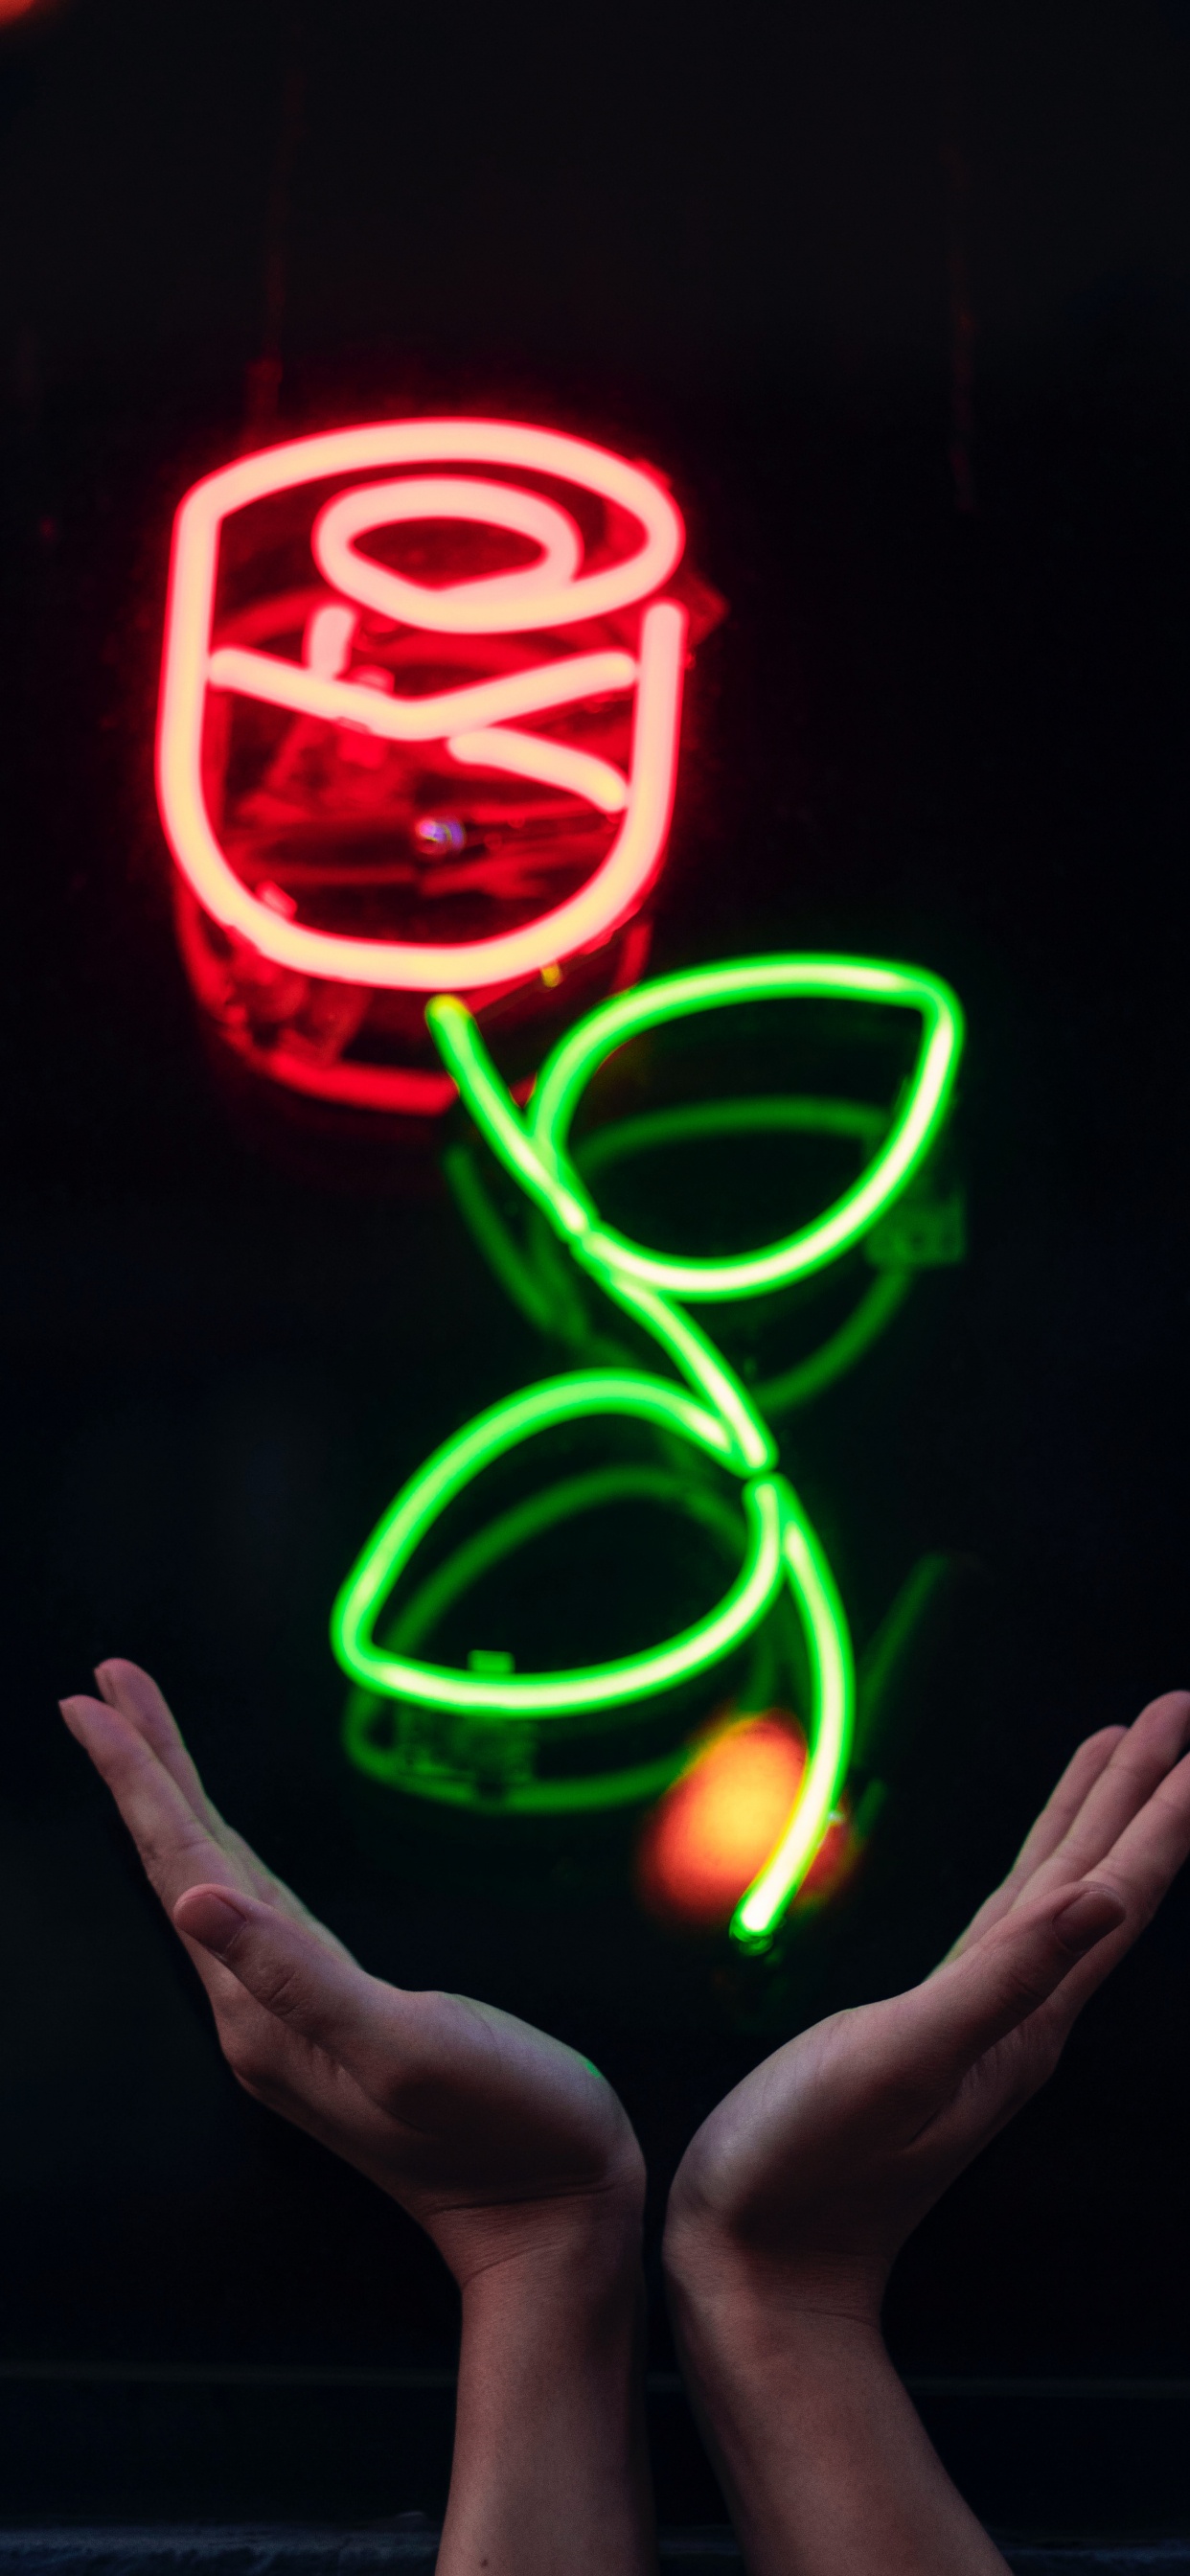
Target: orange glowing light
[(468, 725), (714, 1829)]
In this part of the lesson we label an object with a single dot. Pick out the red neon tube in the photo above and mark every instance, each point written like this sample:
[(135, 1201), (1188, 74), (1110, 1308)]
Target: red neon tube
[(469, 725)]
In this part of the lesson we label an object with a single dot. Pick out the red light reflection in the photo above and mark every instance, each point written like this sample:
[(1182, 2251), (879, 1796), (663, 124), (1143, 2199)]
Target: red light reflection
[(714, 1829)]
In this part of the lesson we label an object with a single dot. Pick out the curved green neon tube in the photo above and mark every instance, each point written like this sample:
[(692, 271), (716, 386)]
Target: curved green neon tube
[(718, 1416), (593, 1686), (454, 1577), (397, 1764), (487, 1547), (752, 1443), (463, 1052), (910, 1135), (828, 1639), (546, 1295), (572, 1496)]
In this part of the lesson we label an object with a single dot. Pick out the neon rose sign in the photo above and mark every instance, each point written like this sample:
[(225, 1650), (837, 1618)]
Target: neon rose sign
[(287, 778), (366, 705)]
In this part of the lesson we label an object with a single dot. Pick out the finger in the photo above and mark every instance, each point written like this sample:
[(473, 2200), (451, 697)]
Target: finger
[(946, 2025), (1140, 1868), (1112, 1790), (1152, 1848), (441, 2065), (1048, 1830), (276, 1891), (177, 1848), (136, 1696), (1143, 1758), (315, 1991), (1086, 1765)]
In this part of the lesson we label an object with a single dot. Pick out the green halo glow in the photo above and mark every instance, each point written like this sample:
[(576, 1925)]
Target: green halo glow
[(713, 1411)]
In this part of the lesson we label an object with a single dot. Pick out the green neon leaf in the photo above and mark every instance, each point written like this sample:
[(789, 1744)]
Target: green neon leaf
[(567, 1500), (611, 1685), (717, 1415), (911, 1133)]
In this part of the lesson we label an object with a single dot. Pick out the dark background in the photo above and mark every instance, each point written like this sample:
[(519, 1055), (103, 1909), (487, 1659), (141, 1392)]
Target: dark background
[(900, 298)]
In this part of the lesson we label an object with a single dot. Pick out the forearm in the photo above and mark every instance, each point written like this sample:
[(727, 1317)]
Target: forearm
[(550, 2474), (825, 2464)]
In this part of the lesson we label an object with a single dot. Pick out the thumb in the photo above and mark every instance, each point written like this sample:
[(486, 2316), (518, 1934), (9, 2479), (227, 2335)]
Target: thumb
[(321, 1995), (991, 1988)]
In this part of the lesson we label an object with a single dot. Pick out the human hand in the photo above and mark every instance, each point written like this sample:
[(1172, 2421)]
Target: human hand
[(803, 2184), (497, 2140)]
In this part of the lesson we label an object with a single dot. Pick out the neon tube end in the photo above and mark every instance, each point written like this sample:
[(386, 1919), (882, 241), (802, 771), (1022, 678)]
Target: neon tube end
[(755, 1938)]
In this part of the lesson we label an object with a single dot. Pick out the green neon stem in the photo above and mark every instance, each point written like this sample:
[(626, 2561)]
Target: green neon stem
[(464, 1054), (539, 1285), (718, 1416), (701, 1364), (828, 1640)]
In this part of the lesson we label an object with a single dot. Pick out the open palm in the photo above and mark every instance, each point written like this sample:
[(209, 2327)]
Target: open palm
[(485, 2130), (811, 2174)]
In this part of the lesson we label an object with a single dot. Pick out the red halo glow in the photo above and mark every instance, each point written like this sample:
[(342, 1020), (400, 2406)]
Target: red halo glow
[(714, 1829)]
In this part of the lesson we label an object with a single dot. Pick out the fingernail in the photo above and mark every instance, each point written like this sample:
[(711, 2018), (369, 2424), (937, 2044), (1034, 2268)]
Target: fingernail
[(1089, 1915), (214, 1919)]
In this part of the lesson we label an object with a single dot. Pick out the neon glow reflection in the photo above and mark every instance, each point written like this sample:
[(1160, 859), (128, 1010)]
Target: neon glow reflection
[(714, 1827), (713, 1411)]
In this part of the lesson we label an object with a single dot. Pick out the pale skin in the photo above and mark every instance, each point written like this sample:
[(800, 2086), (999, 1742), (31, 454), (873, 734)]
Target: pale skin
[(793, 2201), (509, 2149), (787, 2211)]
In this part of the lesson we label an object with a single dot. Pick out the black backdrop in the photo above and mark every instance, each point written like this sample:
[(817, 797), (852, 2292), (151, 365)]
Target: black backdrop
[(899, 299)]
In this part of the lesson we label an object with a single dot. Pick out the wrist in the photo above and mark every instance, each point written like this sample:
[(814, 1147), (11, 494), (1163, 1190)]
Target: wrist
[(789, 2297), (579, 2254), (826, 2468), (809, 2343), (550, 2456)]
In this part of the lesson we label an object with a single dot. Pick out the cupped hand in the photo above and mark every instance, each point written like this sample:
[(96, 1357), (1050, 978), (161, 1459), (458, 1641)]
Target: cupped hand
[(496, 2139), (804, 2183)]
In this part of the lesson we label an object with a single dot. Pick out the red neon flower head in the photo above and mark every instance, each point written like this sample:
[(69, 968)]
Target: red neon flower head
[(418, 680)]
